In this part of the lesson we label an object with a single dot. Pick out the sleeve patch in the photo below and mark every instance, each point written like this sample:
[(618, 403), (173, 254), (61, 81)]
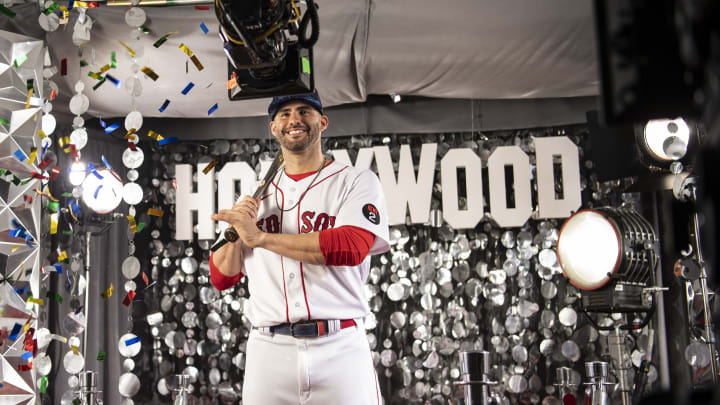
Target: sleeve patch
[(371, 213)]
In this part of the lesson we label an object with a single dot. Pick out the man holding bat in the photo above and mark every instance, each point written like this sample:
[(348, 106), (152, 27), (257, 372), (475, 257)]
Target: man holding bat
[(305, 246)]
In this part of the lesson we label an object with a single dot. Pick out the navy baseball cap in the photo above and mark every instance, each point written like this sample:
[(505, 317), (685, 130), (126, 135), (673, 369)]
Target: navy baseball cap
[(311, 98)]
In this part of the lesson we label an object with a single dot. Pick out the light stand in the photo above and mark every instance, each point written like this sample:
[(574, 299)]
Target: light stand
[(475, 369), (685, 189), (88, 389), (597, 372), (565, 385), (180, 385)]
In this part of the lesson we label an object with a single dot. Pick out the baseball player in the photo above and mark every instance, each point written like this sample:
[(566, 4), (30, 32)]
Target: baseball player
[(305, 247)]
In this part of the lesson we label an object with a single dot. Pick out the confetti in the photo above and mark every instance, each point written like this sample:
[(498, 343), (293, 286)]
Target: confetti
[(38, 301), (193, 58), (108, 293), (145, 278), (140, 227), (132, 341), (113, 59), (149, 73), (128, 298), (112, 127), (27, 356), (20, 155), (75, 349), (100, 83), (232, 83), (115, 81), (20, 60), (27, 103), (164, 106), (4, 121), (15, 330), (163, 38), (212, 109), (101, 355), (209, 166), (155, 212), (25, 367), (204, 28), (165, 141), (187, 88), (33, 155), (63, 67), (43, 384), (104, 69), (202, 7), (133, 225), (55, 296), (52, 8), (7, 11), (130, 51)]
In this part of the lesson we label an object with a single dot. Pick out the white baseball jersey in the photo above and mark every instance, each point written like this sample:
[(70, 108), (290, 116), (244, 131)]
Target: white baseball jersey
[(286, 290)]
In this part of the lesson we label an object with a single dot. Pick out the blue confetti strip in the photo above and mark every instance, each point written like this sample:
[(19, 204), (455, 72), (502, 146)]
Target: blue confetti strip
[(27, 356), (93, 170), (106, 162), (45, 148), (102, 123), (20, 155), (75, 208), (111, 128), (204, 28), (68, 284), (115, 81), (166, 141), (132, 341), (59, 268), (187, 88), (71, 3), (21, 292), (97, 190), (164, 106), (212, 109), (15, 331)]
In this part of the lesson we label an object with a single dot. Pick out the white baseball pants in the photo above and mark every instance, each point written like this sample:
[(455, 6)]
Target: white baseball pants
[(326, 370)]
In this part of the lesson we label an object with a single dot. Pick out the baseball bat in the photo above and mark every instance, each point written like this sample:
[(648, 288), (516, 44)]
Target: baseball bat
[(230, 234)]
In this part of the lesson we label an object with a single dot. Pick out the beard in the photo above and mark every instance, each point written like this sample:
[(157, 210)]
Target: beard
[(301, 144)]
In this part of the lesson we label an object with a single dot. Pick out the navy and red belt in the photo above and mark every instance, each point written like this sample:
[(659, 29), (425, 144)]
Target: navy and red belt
[(312, 328)]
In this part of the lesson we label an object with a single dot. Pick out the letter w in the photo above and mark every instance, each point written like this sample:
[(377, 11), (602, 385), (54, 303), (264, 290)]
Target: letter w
[(407, 191)]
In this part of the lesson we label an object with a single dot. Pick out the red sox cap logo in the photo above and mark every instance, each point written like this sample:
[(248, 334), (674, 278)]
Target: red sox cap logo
[(371, 213)]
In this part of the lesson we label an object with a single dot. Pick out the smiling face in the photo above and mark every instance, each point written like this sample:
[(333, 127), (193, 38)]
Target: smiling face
[(297, 126)]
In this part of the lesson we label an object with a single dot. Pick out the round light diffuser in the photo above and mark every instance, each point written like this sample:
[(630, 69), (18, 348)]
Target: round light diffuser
[(665, 139), (598, 245), (102, 191)]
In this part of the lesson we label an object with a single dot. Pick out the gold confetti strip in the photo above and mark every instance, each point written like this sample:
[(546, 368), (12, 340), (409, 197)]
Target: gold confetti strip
[(133, 225), (155, 212), (38, 301), (63, 255), (63, 141), (104, 69), (53, 223), (187, 50), (108, 293), (197, 63), (154, 135), (74, 349), (33, 154), (149, 73), (130, 51), (14, 248), (48, 195), (209, 166), (30, 92), (41, 134)]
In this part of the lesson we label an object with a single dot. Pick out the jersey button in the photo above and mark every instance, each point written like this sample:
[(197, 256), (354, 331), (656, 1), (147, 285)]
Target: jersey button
[(292, 188), (292, 275), (291, 202), (297, 304)]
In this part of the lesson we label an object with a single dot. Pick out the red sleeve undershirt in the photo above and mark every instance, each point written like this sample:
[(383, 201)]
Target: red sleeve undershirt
[(345, 246), (219, 280)]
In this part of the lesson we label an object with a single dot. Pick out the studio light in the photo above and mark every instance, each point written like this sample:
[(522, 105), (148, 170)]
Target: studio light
[(610, 255), (396, 98), (268, 51), (102, 191), (666, 139), (77, 173)]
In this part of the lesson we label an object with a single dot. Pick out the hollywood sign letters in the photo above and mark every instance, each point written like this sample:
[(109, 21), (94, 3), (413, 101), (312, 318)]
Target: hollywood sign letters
[(412, 191)]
